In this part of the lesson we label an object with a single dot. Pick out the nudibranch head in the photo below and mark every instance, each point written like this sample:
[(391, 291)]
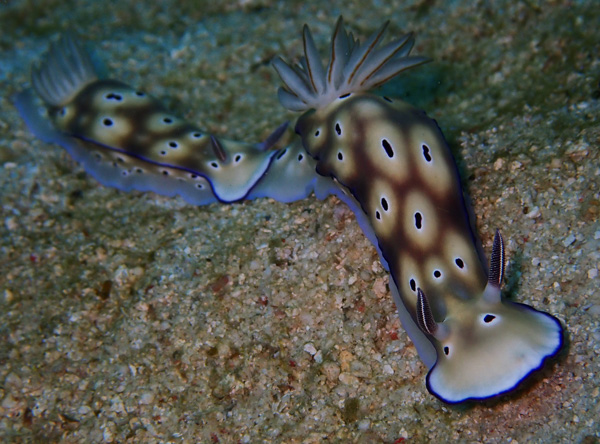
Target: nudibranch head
[(353, 67), (486, 347)]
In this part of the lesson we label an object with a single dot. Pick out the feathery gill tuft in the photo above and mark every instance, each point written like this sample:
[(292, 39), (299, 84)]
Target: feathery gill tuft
[(353, 67), (65, 70)]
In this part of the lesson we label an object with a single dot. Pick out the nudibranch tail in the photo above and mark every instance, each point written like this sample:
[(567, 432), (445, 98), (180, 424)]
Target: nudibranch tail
[(353, 67), (127, 139), (393, 167)]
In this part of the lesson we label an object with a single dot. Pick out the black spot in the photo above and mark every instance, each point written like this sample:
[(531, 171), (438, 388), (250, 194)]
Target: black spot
[(300, 157), (413, 285), (387, 99), (120, 159), (340, 156), (384, 204), (426, 153), (196, 135), (344, 96), (193, 176), (281, 154), (173, 144), (237, 158), (140, 94), (107, 122), (167, 120), (214, 164), (488, 318), (165, 173), (388, 148), (139, 170), (418, 220), (317, 133), (124, 173), (63, 111), (446, 350), (199, 186), (437, 273), (113, 96), (338, 129), (98, 157), (163, 153), (459, 262), (377, 215)]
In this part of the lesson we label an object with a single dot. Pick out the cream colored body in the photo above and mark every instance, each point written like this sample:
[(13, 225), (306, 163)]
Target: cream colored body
[(394, 162), (127, 139)]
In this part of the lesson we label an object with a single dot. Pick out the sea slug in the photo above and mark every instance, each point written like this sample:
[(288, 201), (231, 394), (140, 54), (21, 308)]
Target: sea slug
[(387, 160)]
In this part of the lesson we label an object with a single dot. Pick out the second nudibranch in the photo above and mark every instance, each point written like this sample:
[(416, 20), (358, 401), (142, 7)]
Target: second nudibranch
[(392, 165), (127, 139)]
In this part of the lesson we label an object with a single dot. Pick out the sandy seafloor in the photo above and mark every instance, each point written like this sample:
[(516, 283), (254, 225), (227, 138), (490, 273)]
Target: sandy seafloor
[(130, 317)]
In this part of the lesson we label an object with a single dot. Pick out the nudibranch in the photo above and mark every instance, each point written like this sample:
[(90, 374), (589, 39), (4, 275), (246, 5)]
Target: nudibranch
[(126, 139), (383, 158), (392, 165)]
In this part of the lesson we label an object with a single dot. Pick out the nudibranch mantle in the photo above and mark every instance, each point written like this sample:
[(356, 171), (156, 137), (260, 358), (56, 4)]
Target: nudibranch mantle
[(396, 165)]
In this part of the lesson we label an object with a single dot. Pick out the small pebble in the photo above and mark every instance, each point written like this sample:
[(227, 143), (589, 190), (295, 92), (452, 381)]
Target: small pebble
[(498, 164), (348, 379), (108, 434), (364, 424), (10, 403), (319, 357), (533, 212), (310, 349), (8, 295), (147, 398), (568, 240), (331, 371), (11, 223), (84, 410)]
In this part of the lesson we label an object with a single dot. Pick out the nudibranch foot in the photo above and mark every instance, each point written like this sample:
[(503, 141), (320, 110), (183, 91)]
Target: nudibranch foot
[(393, 167)]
